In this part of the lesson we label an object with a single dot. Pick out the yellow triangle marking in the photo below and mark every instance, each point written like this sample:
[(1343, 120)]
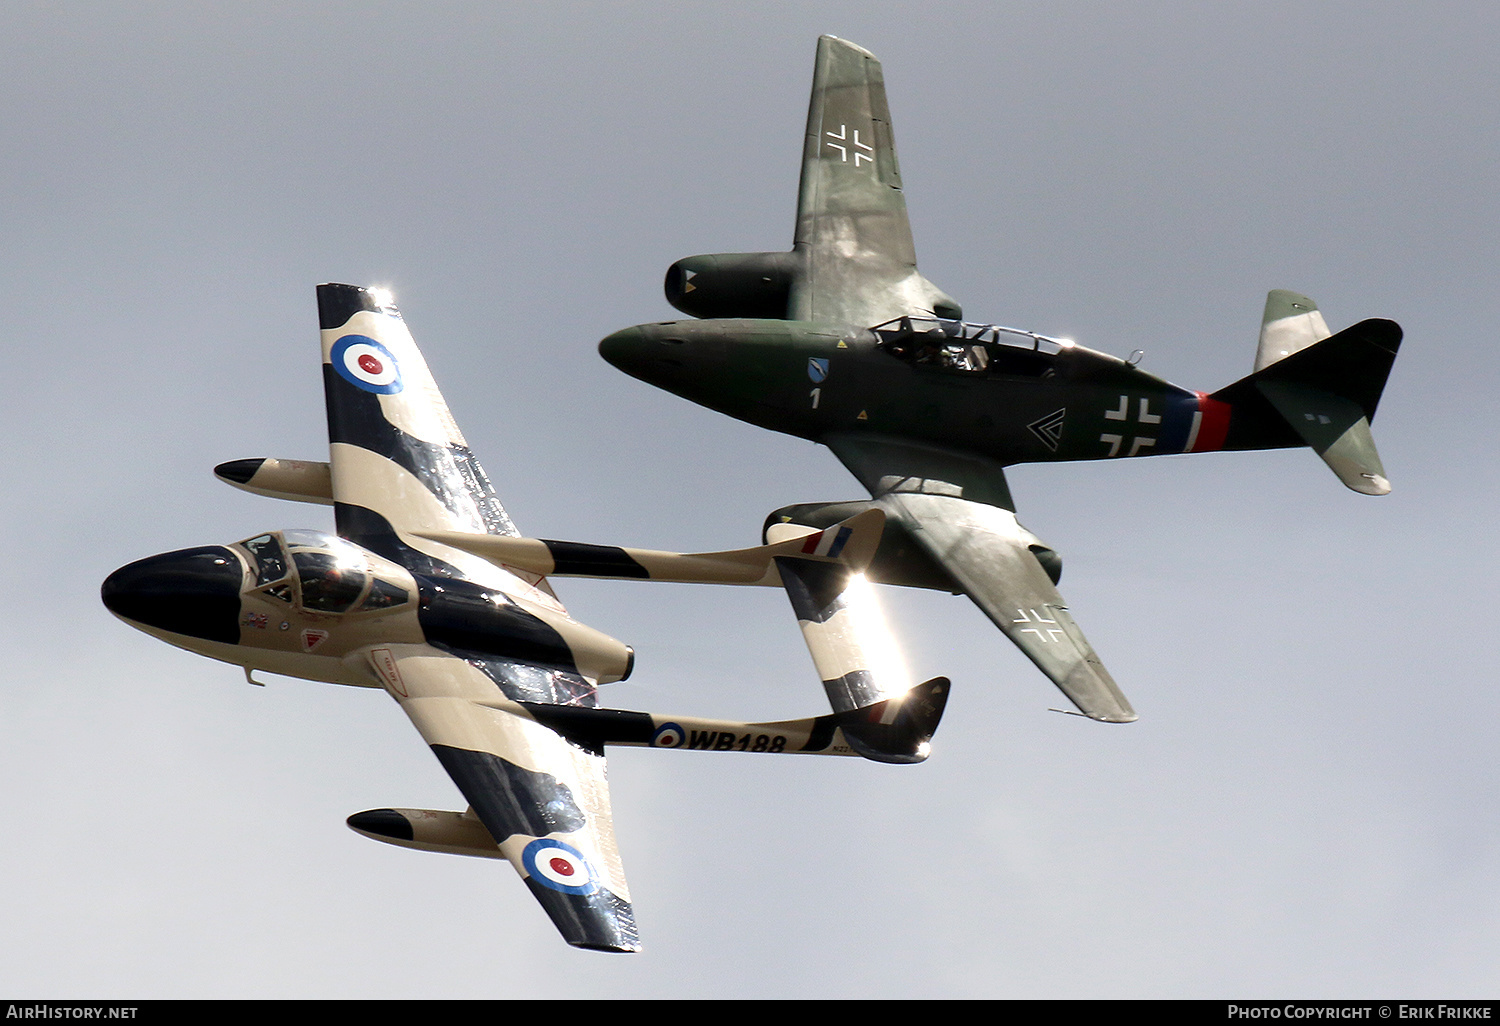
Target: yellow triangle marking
[(863, 415), (842, 345)]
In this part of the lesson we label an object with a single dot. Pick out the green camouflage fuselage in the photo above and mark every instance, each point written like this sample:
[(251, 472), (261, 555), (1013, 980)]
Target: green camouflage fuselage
[(1009, 396)]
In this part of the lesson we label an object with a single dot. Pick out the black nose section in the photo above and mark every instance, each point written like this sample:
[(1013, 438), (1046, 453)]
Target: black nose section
[(192, 591), (629, 350)]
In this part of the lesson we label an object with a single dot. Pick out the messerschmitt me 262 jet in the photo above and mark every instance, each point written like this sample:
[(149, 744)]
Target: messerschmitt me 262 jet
[(843, 341), (428, 592)]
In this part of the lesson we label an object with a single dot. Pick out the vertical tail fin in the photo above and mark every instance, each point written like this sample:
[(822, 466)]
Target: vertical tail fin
[(1291, 323), (1324, 387)]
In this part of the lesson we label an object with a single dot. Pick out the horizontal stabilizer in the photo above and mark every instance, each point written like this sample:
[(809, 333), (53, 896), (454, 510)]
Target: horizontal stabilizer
[(1354, 365), (1327, 393), (297, 480), (1336, 429), (898, 560), (850, 543)]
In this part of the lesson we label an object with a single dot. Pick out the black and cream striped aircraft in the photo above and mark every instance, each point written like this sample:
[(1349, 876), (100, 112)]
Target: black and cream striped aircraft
[(427, 591)]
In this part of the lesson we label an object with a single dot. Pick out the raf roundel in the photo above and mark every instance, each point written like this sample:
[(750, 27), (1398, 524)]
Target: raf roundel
[(668, 735), (366, 364), (559, 866)]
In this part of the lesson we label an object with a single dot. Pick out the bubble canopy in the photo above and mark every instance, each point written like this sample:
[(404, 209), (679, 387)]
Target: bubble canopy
[(324, 573)]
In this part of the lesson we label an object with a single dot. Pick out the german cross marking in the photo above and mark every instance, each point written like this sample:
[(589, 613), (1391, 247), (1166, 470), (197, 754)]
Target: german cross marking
[(1045, 634), (1122, 413), (842, 137)]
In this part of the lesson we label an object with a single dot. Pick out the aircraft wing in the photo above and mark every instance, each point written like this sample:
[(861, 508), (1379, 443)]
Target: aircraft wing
[(860, 266), (957, 508), (398, 463), (544, 799)]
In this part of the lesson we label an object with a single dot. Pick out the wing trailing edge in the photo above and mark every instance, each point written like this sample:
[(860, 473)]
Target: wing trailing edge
[(852, 259), (543, 799), (398, 462)]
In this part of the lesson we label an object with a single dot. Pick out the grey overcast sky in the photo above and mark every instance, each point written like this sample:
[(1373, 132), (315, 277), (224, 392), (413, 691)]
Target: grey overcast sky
[(1310, 802)]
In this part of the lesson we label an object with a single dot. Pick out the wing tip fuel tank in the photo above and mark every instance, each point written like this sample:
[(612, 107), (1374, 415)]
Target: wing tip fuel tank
[(294, 480), (453, 833)]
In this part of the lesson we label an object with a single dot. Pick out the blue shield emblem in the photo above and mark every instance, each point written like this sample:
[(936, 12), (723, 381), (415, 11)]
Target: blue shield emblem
[(817, 369)]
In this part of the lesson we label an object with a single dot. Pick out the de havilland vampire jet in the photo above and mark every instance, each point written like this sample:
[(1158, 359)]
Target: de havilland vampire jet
[(843, 341), (427, 592)]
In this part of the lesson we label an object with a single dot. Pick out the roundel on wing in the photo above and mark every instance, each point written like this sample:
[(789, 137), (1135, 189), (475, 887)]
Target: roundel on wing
[(559, 866), (366, 364)]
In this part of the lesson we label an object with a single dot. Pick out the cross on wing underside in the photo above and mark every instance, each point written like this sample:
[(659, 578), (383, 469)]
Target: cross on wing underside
[(950, 505)]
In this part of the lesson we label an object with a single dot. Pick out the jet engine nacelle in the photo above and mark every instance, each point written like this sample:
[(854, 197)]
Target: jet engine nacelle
[(750, 285)]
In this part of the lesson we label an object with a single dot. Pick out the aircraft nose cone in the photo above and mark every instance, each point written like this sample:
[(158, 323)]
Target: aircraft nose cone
[(195, 592), (627, 350)]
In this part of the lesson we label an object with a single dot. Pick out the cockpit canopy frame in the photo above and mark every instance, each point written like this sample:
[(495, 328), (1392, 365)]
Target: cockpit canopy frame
[(322, 573), (968, 347)]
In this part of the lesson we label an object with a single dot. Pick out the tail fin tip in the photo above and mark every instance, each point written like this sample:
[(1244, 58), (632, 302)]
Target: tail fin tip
[(337, 303), (1291, 322), (899, 729)]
